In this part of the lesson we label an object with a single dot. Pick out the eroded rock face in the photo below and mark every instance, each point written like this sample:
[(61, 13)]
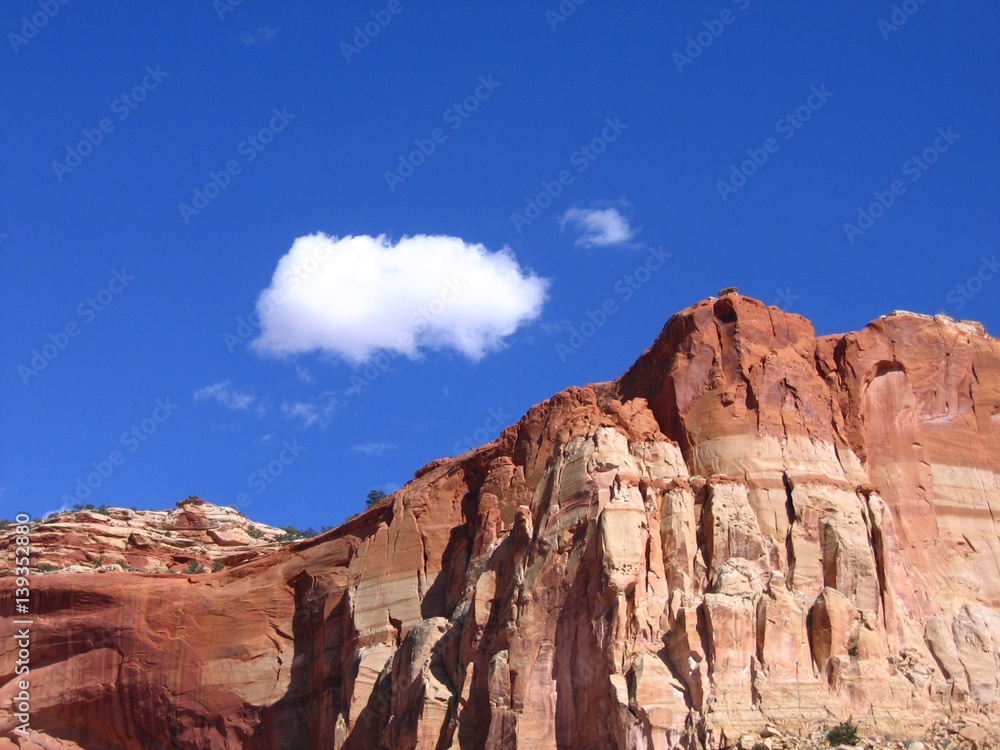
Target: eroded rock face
[(145, 541), (753, 532)]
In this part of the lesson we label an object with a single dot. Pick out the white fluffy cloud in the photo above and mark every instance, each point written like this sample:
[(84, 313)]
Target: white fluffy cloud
[(225, 394), (598, 227), (354, 296)]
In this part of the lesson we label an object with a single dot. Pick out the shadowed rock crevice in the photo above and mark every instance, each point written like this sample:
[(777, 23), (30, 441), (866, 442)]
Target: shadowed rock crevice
[(790, 519)]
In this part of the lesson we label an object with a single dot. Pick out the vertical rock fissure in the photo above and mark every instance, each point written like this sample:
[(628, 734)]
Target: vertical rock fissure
[(877, 542), (790, 515)]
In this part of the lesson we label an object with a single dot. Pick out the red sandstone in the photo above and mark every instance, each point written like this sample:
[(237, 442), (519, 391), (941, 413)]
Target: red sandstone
[(753, 527)]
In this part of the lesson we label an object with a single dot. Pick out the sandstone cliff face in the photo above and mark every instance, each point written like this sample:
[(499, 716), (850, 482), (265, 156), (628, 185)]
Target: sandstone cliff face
[(752, 526)]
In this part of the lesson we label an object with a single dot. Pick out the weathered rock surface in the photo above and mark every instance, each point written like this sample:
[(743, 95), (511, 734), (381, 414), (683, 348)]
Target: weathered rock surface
[(753, 534), (144, 541)]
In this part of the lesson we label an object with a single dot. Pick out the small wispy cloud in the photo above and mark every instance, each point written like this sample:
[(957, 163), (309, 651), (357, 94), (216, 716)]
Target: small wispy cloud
[(556, 327), (303, 374), (260, 35), (597, 227), (374, 449), (225, 394), (312, 413)]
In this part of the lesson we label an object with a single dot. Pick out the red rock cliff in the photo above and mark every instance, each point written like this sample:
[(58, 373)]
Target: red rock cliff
[(752, 526)]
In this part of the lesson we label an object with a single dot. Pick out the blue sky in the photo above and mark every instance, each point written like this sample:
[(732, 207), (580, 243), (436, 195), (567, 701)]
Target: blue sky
[(615, 163)]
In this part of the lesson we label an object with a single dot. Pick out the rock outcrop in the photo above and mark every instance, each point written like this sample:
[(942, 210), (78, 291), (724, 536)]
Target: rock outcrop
[(194, 534), (754, 533)]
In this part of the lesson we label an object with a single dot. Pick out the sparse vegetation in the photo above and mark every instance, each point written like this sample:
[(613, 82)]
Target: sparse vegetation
[(194, 567), (169, 534), (374, 496), (103, 510), (843, 734), (97, 561), (46, 567), (217, 566), (5, 524), (293, 534), (254, 532), (81, 506)]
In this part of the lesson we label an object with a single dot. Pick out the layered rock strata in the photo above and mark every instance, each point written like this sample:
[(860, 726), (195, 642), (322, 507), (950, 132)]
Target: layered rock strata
[(101, 540), (754, 532)]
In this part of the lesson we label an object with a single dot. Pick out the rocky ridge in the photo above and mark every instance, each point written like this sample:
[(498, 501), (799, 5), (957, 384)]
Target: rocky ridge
[(753, 534), (101, 540)]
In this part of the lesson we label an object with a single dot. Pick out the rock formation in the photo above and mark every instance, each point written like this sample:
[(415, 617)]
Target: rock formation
[(753, 531), (99, 540)]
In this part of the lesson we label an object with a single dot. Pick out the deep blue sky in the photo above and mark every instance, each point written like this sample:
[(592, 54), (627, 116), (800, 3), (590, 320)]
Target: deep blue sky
[(162, 335)]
